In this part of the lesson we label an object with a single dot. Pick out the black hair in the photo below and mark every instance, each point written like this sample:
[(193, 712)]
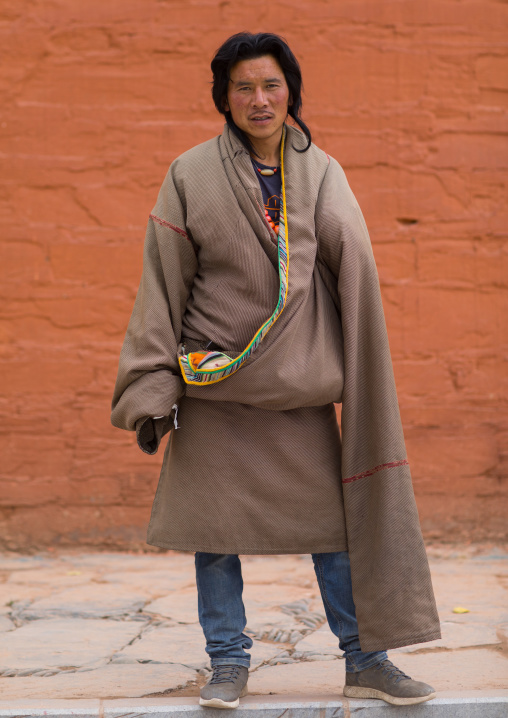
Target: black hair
[(248, 46)]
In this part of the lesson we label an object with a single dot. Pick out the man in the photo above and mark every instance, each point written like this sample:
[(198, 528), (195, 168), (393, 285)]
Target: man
[(258, 309)]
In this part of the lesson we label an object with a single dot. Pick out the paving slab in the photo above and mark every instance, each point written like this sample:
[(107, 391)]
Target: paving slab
[(58, 577), (180, 605), (322, 641), (300, 678), (266, 570), (89, 601), (265, 653), (153, 581), (264, 622), (480, 669), (19, 596), (110, 681), (6, 624), (177, 644), (23, 563), (484, 596), (63, 643), (458, 634), (125, 561), (275, 595)]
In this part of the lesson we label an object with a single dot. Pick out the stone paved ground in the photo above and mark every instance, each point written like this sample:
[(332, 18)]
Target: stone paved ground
[(125, 626)]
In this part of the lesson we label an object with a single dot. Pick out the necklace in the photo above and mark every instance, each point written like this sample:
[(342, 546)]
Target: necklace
[(265, 171)]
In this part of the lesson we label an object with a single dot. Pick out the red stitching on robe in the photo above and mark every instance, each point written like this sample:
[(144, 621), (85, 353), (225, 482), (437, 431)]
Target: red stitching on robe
[(364, 474), (163, 223)]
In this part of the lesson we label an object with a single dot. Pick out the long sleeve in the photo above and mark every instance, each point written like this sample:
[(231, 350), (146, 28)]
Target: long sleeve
[(371, 427), (149, 383), (389, 566)]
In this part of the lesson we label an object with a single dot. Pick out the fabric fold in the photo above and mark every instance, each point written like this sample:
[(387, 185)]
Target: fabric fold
[(148, 381)]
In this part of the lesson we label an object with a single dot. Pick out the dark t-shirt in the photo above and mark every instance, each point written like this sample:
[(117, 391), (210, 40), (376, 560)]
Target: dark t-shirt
[(271, 186)]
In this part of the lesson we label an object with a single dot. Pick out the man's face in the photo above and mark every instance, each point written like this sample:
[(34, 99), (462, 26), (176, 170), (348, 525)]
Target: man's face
[(258, 97)]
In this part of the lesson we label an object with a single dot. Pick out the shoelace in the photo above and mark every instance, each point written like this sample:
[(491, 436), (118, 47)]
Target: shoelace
[(393, 672), (225, 674)]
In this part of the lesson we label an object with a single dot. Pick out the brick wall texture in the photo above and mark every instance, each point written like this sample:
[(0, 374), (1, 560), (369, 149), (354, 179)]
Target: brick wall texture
[(97, 98)]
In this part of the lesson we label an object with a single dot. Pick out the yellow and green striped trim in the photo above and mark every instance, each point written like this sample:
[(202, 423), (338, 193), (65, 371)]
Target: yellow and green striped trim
[(191, 372)]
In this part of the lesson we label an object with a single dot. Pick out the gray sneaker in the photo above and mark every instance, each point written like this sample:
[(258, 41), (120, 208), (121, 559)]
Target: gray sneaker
[(389, 683), (226, 686)]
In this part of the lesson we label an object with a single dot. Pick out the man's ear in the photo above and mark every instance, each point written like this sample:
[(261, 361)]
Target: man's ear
[(225, 105)]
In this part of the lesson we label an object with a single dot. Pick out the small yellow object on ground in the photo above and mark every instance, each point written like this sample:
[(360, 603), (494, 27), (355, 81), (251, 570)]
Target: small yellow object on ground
[(460, 609)]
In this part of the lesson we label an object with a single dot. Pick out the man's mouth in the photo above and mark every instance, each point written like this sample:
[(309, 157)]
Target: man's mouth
[(262, 117)]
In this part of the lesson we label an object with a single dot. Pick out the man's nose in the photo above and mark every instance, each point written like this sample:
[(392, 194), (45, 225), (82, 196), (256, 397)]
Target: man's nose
[(259, 99)]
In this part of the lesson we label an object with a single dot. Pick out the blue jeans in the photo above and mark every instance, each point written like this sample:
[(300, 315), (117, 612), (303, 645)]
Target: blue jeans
[(222, 613)]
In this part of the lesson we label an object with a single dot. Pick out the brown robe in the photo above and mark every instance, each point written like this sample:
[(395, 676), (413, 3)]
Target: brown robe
[(257, 466)]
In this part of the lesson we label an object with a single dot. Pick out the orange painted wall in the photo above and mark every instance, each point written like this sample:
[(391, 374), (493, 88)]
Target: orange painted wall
[(97, 98)]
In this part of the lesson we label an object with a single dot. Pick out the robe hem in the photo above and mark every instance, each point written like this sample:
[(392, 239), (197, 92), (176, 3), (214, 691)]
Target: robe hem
[(399, 642), (242, 550)]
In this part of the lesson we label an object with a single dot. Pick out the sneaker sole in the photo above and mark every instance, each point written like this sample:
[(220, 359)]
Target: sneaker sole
[(219, 703), (358, 692)]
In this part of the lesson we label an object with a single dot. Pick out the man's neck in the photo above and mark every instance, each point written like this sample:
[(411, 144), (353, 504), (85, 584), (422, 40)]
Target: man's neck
[(267, 151)]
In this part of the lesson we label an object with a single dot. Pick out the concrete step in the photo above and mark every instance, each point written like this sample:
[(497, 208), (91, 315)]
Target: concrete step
[(472, 704)]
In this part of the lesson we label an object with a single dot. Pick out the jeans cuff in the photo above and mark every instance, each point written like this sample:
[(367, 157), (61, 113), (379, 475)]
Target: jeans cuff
[(352, 667), (230, 662)]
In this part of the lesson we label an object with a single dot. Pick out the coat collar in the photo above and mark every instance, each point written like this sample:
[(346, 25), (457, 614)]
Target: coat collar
[(294, 140)]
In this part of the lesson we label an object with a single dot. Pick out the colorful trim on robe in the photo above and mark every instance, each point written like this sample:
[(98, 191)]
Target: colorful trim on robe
[(195, 367), (381, 467)]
